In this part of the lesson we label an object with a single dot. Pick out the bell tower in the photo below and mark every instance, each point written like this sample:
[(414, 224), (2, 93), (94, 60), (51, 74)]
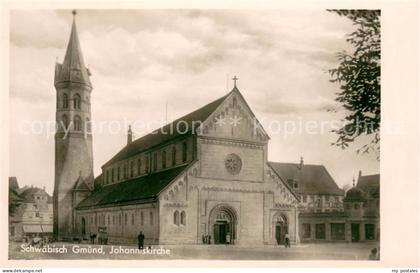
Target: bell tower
[(73, 138)]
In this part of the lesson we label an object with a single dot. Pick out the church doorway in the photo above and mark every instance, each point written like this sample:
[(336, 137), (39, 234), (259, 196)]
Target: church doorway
[(221, 230), (281, 228), (222, 224)]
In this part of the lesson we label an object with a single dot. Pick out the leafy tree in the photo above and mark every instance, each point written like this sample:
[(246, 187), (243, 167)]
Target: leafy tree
[(359, 77)]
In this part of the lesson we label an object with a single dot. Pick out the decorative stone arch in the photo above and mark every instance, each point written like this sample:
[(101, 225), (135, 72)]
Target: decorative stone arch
[(223, 223), (280, 224)]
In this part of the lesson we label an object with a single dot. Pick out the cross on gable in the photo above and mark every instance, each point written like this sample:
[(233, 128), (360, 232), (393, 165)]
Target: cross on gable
[(234, 80)]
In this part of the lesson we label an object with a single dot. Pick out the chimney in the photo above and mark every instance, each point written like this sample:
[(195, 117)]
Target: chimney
[(301, 163), (129, 135)]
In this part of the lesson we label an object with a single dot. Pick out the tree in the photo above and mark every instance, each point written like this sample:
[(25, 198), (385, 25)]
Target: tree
[(359, 76)]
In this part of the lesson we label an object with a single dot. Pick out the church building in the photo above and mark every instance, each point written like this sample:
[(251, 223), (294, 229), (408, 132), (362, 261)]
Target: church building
[(205, 173)]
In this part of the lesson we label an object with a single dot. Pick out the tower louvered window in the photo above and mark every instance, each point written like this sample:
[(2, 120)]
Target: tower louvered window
[(76, 101), (65, 101), (77, 123)]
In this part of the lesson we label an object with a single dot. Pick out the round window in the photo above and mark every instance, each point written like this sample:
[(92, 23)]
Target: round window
[(233, 163)]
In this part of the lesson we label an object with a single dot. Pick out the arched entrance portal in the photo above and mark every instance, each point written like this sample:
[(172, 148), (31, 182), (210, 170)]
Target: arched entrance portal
[(280, 228), (83, 227), (222, 225)]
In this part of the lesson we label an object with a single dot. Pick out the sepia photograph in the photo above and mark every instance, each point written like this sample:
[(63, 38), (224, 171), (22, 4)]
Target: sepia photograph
[(194, 134)]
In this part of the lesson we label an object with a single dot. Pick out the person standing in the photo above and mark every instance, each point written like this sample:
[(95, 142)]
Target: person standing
[(228, 238), (286, 240), (140, 240)]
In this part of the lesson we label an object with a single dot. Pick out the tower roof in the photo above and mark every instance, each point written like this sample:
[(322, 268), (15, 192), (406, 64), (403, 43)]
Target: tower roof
[(73, 68)]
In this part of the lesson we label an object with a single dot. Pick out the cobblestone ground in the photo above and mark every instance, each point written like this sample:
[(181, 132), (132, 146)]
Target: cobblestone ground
[(318, 251)]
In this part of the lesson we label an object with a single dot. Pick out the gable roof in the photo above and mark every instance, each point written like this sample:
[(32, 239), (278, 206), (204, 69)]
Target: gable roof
[(369, 184), (137, 190), (312, 179), (167, 132), (81, 185)]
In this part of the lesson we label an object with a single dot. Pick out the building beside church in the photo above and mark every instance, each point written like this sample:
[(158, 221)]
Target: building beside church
[(358, 221), (204, 174), (316, 189), (30, 212)]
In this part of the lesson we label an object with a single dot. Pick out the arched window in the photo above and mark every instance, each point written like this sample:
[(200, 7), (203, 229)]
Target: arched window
[(76, 101), (163, 159), (184, 152), (118, 173), (65, 122), (139, 166), (173, 156), (141, 218), (77, 123), (109, 220), (151, 218), (112, 175), (65, 101), (183, 218), (176, 218), (119, 219)]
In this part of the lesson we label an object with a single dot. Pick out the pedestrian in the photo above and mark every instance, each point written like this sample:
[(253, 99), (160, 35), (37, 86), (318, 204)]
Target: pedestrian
[(228, 238), (373, 254), (92, 238), (287, 240), (209, 239), (203, 238), (140, 240)]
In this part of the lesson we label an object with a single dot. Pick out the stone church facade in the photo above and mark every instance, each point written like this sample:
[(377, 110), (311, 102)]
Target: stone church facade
[(204, 174)]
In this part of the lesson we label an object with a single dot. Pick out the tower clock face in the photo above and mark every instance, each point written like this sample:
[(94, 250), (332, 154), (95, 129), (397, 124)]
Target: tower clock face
[(233, 163)]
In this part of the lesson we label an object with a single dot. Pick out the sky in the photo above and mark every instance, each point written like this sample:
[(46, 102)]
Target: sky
[(153, 66)]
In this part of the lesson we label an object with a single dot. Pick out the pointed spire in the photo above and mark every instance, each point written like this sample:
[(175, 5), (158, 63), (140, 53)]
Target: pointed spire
[(129, 135), (73, 68)]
